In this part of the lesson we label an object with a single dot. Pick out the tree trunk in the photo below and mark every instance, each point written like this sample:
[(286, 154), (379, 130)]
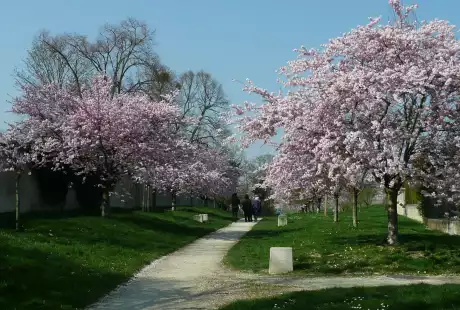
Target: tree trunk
[(191, 201), (355, 207), (325, 205), (214, 203), (105, 207), (336, 208), (173, 201), (392, 209), (18, 203), (143, 198), (318, 206), (154, 198), (138, 201), (147, 205)]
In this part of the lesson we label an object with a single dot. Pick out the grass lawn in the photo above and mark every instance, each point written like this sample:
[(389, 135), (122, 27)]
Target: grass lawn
[(70, 261), (414, 297), (323, 247)]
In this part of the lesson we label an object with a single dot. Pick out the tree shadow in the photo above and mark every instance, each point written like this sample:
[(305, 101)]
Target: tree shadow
[(93, 230), (302, 265), (212, 213), (138, 233), (361, 239), (406, 297), (413, 241), (8, 219), (257, 233), (151, 223), (33, 279)]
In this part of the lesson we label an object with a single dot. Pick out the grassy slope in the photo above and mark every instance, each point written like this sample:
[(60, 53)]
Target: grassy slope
[(321, 246), (414, 297), (71, 261)]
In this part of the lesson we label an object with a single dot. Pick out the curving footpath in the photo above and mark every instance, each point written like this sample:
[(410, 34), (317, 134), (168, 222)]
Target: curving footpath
[(185, 279), (194, 278)]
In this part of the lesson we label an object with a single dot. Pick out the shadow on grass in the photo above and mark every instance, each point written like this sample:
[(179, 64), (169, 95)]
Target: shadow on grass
[(410, 297), (8, 219), (412, 241), (212, 213), (372, 239), (33, 279), (302, 265), (151, 223), (257, 233), (137, 233)]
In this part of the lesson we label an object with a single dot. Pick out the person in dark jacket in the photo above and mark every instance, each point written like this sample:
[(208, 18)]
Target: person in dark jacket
[(256, 207), (247, 208), (235, 205)]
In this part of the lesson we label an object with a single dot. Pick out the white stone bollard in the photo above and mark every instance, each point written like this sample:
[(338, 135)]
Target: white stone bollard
[(204, 217), (198, 218), (282, 220), (280, 260)]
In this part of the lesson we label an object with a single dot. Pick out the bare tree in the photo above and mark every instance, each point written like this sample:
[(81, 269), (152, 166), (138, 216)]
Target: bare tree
[(121, 51), (125, 53), (52, 60), (203, 98), (158, 80)]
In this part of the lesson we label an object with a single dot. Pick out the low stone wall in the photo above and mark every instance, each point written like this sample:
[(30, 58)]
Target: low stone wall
[(31, 200), (451, 227), (8, 192)]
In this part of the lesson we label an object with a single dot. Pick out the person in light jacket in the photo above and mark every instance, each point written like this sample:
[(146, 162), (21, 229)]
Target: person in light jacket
[(256, 207)]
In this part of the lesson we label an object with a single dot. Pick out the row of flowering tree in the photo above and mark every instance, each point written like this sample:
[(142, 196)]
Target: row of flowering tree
[(96, 133), (382, 101)]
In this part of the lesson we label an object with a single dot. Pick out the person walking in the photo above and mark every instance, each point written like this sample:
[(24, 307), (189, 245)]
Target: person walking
[(247, 208), (235, 205), (256, 207)]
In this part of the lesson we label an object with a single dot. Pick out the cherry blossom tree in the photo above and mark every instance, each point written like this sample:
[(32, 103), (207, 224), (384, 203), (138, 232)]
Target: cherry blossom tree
[(193, 170), (381, 98), (16, 156), (97, 134)]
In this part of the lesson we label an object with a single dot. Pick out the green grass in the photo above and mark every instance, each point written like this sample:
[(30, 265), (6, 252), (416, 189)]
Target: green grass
[(70, 261), (322, 247), (414, 297)]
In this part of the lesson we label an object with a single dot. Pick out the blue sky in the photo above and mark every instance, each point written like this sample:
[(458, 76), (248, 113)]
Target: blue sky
[(232, 39)]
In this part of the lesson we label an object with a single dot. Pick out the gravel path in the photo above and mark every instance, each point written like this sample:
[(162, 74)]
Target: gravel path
[(185, 279), (194, 278)]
